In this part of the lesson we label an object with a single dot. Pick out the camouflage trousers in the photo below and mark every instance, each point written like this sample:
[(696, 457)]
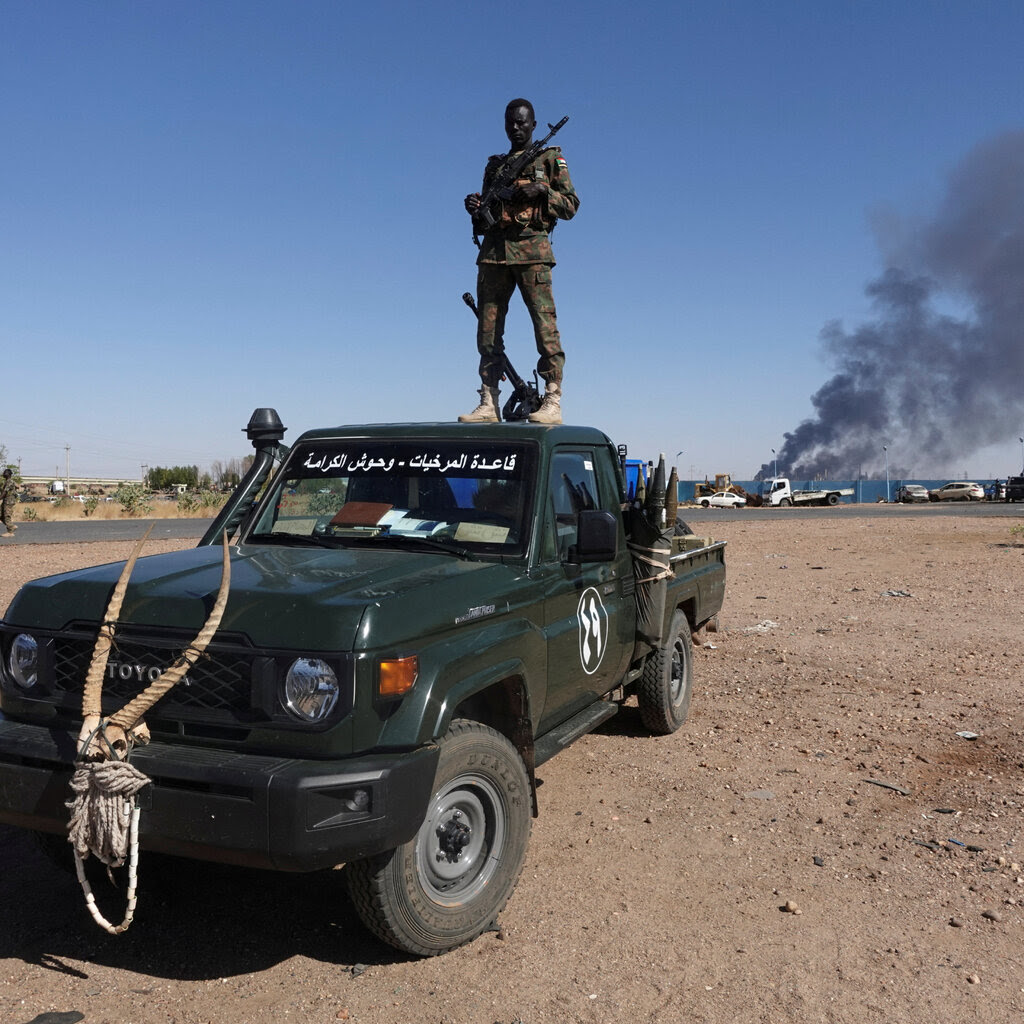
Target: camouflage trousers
[(7, 515), (495, 284)]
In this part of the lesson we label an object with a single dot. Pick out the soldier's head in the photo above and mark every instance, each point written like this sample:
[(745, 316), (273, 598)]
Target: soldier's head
[(520, 121), (8, 471)]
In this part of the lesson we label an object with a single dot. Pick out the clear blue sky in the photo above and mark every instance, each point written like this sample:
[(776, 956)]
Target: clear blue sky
[(211, 206)]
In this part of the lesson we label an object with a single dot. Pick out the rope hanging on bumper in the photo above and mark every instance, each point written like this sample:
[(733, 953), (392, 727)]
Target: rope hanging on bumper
[(105, 792), (105, 823)]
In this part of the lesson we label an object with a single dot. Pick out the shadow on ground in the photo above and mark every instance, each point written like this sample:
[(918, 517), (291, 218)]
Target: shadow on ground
[(194, 921)]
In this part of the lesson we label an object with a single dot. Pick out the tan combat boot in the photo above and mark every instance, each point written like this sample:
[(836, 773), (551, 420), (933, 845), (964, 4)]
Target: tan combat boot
[(487, 410), (550, 410)]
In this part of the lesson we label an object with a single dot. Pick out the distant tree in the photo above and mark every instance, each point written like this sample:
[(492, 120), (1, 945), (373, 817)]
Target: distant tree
[(228, 474), (163, 477)]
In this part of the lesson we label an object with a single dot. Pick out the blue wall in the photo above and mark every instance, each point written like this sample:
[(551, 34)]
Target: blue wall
[(863, 490)]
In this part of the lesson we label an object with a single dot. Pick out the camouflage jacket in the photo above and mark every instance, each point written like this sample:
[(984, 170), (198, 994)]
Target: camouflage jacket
[(521, 234), (8, 490)]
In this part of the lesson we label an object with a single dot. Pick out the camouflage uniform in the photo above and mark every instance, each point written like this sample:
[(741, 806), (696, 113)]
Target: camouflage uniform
[(8, 496), (517, 252)]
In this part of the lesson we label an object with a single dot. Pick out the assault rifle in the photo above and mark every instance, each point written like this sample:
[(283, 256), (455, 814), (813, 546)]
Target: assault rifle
[(503, 187), (525, 397)]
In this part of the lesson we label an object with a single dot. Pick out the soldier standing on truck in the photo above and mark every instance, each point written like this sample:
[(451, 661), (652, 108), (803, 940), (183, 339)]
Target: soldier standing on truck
[(516, 252), (8, 496)]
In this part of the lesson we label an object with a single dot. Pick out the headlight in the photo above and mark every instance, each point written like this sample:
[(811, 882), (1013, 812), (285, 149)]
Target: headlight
[(310, 689), (23, 661)]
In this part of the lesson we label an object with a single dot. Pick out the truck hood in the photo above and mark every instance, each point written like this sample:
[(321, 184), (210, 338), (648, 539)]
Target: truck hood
[(281, 597)]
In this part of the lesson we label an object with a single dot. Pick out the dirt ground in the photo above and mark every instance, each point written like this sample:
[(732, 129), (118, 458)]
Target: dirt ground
[(855, 650)]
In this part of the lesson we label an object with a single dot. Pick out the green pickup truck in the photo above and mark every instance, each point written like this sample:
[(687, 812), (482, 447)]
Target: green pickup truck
[(419, 615)]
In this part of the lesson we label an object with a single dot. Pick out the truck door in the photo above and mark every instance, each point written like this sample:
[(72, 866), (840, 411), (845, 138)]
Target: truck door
[(588, 620)]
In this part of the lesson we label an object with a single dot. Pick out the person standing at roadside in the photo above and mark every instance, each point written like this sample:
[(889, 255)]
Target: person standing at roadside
[(8, 496), (516, 253)]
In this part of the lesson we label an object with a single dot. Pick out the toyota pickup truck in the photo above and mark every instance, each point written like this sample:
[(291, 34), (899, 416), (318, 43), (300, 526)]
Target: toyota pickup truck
[(418, 616)]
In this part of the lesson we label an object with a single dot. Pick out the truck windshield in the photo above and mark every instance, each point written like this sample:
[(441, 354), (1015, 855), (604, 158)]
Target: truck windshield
[(473, 496)]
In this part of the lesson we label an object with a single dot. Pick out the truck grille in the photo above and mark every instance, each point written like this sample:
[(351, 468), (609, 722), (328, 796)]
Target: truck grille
[(217, 688)]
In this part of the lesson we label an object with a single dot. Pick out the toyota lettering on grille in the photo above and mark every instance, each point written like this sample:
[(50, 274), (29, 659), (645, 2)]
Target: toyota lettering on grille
[(141, 673)]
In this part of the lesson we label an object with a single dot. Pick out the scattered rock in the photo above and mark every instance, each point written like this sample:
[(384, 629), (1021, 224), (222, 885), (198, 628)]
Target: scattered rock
[(966, 734), (992, 915), (789, 907), (357, 969), (973, 979), (819, 862), (955, 922)]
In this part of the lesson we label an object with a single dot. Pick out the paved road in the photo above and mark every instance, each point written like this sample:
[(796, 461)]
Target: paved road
[(174, 529), (106, 529)]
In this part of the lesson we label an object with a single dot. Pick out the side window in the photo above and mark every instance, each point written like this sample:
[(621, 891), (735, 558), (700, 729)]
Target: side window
[(573, 488)]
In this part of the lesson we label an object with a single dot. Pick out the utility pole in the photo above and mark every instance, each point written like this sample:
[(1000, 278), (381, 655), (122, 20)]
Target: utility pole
[(67, 469)]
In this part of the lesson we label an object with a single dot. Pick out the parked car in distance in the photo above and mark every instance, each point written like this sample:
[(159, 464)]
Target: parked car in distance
[(723, 499), (912, 492), (959, 490)]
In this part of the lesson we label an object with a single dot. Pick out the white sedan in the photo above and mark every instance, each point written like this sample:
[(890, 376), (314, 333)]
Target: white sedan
[(959, 490), (723, 499)]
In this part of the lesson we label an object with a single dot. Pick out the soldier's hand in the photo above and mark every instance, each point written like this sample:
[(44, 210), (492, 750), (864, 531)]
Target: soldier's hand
[(532, 190), (472, 202)]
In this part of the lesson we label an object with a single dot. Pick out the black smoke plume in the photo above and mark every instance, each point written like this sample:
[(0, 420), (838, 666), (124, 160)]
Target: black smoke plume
[(933, 387)]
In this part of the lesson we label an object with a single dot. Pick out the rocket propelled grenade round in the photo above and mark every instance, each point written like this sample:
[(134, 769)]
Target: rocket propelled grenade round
[(672, 499), (655, 503)]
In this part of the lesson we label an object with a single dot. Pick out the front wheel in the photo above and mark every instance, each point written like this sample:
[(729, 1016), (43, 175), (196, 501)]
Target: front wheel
[(446, 885), (785, 503), (705, 503), (663, 692)]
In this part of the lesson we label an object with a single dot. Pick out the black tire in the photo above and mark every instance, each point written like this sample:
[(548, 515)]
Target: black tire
[(705, 503), (785, 503), (449, 883), (663, 692), (833, 499)]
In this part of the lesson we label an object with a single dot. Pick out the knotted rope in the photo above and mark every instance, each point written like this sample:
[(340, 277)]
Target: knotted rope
[(100, 824), (105, 823)]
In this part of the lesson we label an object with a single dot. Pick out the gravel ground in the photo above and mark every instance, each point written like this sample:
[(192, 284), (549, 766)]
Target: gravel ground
[(743, 870)]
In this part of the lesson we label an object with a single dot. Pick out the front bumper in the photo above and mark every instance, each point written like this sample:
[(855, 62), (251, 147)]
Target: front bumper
[(236, 808)]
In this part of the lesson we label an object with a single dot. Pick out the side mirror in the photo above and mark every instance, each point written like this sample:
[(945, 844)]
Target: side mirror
[(597, 537)]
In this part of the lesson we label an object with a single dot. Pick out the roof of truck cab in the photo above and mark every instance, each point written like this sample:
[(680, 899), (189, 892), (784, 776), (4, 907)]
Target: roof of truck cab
[(539, 433)]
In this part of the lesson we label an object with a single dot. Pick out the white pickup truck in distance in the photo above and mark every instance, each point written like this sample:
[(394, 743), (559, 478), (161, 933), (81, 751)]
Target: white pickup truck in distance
[(777, 493)]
